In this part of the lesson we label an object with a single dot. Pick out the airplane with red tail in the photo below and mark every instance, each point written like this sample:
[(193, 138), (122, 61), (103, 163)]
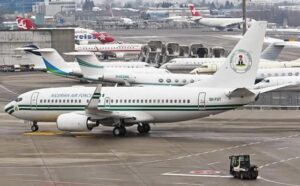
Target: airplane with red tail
[(81, 34)]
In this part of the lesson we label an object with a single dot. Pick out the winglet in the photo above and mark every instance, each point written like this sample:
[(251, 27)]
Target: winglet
[(93, 104)]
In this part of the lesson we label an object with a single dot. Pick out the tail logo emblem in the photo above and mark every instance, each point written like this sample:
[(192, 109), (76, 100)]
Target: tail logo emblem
[(240, 61)]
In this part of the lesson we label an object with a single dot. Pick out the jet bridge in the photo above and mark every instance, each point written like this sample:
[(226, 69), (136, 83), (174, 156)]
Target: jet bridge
[(198, 51), (172, 51), (217, 52), (184, 51), (154, 52)]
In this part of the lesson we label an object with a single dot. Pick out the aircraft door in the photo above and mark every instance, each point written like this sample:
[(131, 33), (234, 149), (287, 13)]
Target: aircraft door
[(33, 102), (107, 102), (201, 100)]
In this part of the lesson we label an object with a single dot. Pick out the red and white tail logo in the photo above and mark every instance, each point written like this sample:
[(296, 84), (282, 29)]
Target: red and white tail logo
[(25, 24), (193, 10)]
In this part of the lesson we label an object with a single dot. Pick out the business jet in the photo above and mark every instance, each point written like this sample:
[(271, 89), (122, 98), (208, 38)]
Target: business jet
[(209, 65), (55, 64), (277, 72), (93, 71), (81, 35), (277, 81), (83, 108), (210, 68)]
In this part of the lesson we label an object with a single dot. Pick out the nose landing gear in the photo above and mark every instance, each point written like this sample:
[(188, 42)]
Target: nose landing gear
[(34, 126)]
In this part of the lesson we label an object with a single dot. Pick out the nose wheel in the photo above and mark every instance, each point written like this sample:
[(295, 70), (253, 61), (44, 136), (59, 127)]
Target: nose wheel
[(34, 127), (143, 128)]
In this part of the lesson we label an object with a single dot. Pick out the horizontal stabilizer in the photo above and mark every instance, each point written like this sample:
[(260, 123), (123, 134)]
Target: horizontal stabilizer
[(240, 92), (24, 48), (44, 50)]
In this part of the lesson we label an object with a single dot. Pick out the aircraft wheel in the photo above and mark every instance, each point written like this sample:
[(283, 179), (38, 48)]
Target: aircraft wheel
[(140, 128), (146, 127), (34, 127), (119, 131)]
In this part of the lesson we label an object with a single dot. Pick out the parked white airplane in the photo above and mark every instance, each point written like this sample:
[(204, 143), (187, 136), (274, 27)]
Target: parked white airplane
[(82, 109), (270, 53), (92, 71), (112, 50), (55, 64), (210, 68), (276, 72), (34, 57), (220, 23), (277, 81)]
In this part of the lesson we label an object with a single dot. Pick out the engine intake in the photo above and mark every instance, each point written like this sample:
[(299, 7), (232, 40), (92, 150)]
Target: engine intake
[(74, 123)]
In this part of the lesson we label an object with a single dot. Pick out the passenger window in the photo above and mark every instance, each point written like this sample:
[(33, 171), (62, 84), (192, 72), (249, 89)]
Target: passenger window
[(167, 101), (290, 73), (71, 100), (142, 101), (52, 101), (169, 80), (179, 101), (184, 81), (133, 101), (145, 101), (171, 101), (117, 101), (158, 101), (176, 80), (129, 101), (154, 101), (80, 100), (183, 101), (121, 100), (86, 101), (45, 101), (137, 101), (125, 101), (175, 101), (111, 101), (59, 101), (75, 101), (162, 101), (64, 101), (56, 101), (297, 74), (150, 100), (192, 81), (188, 101), (160, 80)]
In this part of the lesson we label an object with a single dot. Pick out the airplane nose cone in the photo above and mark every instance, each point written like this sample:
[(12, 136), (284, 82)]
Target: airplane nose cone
[(9, 108)]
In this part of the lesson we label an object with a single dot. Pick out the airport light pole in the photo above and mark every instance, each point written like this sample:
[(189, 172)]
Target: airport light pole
[(244, 17)]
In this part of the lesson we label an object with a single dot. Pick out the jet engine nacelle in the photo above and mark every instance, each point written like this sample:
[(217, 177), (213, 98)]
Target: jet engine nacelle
[(74, 122)]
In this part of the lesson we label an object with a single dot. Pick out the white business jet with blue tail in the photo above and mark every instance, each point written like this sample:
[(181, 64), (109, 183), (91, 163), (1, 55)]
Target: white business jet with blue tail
[(82, 109)]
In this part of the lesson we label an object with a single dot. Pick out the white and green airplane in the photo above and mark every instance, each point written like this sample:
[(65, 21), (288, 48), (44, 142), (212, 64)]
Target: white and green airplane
[(56, 65), (83, 108)]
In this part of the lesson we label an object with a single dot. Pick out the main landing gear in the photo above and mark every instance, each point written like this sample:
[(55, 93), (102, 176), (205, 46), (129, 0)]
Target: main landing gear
[(143, 128), (119, 131), (34, 126)]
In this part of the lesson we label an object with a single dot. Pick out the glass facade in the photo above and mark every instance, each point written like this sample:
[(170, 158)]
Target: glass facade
[(22, 6)]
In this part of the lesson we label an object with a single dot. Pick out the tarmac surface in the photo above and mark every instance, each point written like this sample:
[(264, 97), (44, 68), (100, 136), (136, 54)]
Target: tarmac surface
[(185, 153)]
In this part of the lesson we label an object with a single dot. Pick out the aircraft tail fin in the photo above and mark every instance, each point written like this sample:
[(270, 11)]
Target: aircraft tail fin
[(54, 62), (193, 10), (240, 68), (34, 56), (88, 62)]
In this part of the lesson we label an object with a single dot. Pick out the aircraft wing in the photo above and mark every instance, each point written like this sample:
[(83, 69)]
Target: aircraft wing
[(97, 114)]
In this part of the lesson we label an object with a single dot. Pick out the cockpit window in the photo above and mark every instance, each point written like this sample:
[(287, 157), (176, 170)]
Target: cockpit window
[(18, 99), (267, 81)]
